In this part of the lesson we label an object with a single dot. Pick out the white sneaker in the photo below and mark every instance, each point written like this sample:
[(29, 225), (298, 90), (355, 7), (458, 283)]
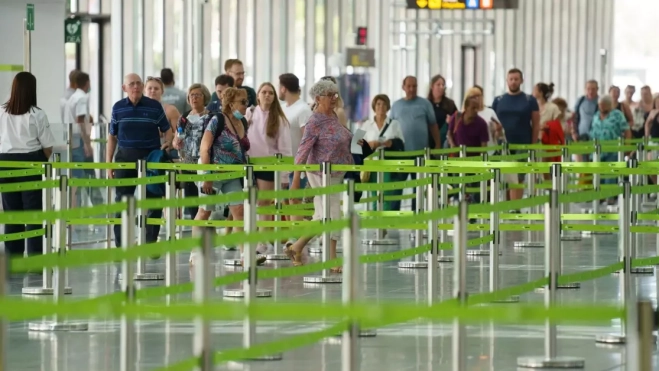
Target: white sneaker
[(261, 249)]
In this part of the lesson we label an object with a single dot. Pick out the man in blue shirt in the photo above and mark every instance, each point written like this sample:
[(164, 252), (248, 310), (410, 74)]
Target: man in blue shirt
[(418, 124), (135, 127), (519, 115), (222, 83)]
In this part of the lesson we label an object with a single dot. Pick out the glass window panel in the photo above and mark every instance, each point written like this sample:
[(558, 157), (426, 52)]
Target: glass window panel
[(216, 64), (177, 67), (249, 44), (319, 57), (158, 35), (299, 68), (232, 16)]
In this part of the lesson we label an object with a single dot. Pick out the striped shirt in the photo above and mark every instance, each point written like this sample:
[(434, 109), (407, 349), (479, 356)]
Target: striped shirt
[(138, 126)]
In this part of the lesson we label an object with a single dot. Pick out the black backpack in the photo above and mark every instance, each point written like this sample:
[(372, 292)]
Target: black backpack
[(221, 122)]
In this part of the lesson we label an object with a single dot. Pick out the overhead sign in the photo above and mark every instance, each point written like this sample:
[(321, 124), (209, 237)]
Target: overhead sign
[(72, 30), (462, 4), (30, 17), (358, 57)]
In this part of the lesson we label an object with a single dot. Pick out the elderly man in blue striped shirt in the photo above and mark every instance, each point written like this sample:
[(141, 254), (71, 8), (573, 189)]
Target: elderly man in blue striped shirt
[(135, 127)]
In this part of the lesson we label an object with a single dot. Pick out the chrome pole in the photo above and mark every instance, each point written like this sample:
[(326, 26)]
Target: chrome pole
[(460, 224), (203, 284), (495, 244), (350, 355), (249, 266), (646, 339), (379, 233), (4, 337), (552, 262), (530, 241), (556, 185), (128, 343), (597, 155), (444, 256), (433, 237), (277, 253), (171, 258), (417, 262)]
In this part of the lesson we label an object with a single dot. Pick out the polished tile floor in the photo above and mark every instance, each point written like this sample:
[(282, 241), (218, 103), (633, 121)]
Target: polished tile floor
[(409, 346)]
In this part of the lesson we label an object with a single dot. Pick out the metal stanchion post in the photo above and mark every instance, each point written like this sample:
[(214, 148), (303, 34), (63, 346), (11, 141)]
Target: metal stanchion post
[(564, 183), (556, 183), (624, 249), (645, 316), (277, 253), (530, 184), (108, 228), (433, 238), (565, 158), (249, 183), (634, 238), (483, 196), (142, 215), (444, 256), (171, 257), (249, 291), (4, 337), (379, 233), (552, 262), (59, 274), (128, 343), (460, 224), (47, 194), (325, 276), (351, 290), (495, 244), (203, 284), (417, 263)]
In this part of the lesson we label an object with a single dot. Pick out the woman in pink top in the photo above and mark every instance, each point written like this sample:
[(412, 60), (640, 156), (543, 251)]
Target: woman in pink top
[(324, 140), (269, 134)]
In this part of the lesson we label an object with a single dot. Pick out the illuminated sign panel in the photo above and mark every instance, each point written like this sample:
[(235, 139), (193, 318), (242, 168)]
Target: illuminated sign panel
[(462, 4)]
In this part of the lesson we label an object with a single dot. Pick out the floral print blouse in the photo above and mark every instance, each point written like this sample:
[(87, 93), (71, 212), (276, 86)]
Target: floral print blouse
[(325, 140)]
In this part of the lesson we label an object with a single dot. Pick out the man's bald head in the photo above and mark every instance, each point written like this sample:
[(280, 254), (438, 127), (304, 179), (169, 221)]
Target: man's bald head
[(133, 87)]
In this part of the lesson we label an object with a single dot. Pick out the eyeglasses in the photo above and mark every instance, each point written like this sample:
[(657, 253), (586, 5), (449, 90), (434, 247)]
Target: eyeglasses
[(196, 95), (332, 95), (244, 102), (151, 78)]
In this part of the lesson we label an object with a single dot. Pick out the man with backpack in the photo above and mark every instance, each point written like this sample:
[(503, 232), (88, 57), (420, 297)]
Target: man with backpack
[(519, 115), (582, 119)]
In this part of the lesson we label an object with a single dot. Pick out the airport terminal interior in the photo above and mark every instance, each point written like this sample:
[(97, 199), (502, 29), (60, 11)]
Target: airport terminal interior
[(493, 161)]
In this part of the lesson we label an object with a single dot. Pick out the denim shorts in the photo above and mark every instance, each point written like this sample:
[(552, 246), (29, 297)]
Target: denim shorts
[(223, 187), (303, 180), (78, 155)]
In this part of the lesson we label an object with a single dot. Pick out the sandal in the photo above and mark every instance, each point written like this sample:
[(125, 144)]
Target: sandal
[(296, 257), (336, 270)]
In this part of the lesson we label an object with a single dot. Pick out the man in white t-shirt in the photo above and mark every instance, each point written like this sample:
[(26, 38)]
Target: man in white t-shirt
[(67, 94), (76, 112), (297, 113)]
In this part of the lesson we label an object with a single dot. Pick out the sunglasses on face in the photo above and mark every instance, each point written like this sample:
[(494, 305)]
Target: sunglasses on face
[(244, 102), (152, 78)]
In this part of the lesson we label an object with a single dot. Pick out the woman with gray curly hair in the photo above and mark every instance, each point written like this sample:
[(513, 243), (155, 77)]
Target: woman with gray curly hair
[(324, 140)]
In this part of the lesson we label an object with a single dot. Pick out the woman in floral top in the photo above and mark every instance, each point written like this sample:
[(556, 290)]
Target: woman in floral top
[(609, 124), (324, 140)]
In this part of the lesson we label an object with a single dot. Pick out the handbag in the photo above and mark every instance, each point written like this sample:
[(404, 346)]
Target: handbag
[(396, 145)]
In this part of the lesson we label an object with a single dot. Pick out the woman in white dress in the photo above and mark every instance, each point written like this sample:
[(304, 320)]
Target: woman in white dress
[(382, 131)]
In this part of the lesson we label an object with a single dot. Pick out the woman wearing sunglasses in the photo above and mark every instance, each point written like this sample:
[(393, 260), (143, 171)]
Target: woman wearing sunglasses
[(154, 88), (324, 139)]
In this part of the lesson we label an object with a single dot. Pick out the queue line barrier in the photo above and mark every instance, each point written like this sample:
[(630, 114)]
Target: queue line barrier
[(206, 311), (600, 193)]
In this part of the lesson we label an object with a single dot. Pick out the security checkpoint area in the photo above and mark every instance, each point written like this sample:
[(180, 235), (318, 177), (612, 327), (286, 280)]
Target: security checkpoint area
[(529, 290)]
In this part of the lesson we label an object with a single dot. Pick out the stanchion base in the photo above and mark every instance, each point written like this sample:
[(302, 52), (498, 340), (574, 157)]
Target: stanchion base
[(149, 277), (597, 233), (413, 265), (527, 244), (611, 339), (321, 279), (362, 334), (649, 205), (445, 259), (639, 270), (240, 293), (233, 262), (316, 250), (508, 300), (269, 357), (568, 286), (51, 326), (413, 235), (480, 252), (382, 242), (572, 237), (44, 291), (643, 270), (277, 257), (557, 362)]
